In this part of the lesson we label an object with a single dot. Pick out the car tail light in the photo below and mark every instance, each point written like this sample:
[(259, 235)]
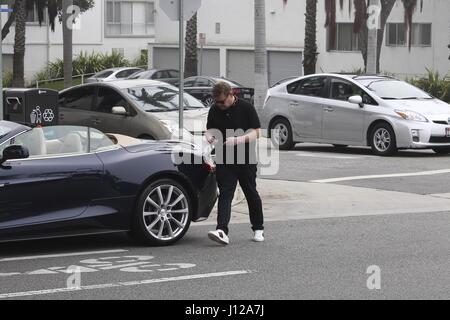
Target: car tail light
[(208, 164), (236, 91)]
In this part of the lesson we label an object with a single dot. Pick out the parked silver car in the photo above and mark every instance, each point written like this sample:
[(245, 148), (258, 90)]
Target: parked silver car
[(377, 111), (145, 109), (113, 74)]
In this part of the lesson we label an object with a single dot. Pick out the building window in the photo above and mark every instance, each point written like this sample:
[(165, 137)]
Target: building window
[(396, 34), (217, 27), (32, 14), (129, 18), (346, 39)]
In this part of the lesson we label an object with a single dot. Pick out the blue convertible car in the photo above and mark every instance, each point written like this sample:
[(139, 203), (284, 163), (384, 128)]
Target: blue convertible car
[(65, 180)]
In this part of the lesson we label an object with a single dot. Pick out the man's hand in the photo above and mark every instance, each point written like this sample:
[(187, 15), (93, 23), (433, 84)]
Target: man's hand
[(210, 137)]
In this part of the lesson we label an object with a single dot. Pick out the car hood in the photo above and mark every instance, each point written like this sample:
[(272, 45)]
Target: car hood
[(424, 107), (193, 120)]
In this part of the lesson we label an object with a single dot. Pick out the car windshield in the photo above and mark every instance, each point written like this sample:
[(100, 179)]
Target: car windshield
[(160, 98), (103, 74), (140, 75), (4, 131), (5, 128), (395, 89), (232, 83)]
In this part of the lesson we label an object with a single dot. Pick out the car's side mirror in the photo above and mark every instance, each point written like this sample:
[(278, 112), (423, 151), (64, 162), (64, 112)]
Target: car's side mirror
[(356, 100), (118, 110), (15, 152)]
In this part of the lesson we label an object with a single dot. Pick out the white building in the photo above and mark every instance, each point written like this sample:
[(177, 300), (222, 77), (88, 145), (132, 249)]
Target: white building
[(229, 29), (123, 25), (130, 26)]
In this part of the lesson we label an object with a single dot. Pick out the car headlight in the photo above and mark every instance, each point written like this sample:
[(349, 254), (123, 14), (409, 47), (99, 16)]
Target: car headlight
[(411, 115)]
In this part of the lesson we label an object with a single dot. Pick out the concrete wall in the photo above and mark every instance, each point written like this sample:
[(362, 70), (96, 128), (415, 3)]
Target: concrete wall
[(285, 29)]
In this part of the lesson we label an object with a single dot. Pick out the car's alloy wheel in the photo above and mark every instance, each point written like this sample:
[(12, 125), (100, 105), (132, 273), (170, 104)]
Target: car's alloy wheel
[(442, 150), (208, 102), (282, 135), (163, 213), (383, 140)]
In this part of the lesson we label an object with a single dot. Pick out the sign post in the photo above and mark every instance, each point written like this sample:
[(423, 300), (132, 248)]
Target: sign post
[(180, 10), (1, 62), (202, 40)]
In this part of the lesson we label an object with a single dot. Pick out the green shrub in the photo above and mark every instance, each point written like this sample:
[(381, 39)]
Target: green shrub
[(7, 79), (85, 63), (435, 85)]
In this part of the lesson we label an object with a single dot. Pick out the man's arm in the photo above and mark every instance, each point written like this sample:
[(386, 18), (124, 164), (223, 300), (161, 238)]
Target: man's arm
[(250, 136)]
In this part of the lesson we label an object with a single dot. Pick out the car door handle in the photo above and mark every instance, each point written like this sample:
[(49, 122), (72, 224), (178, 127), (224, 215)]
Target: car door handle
[(328, 109), (96, 121)]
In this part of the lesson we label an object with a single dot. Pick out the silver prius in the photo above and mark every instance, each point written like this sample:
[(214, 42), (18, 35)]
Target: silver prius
[(377, 111)]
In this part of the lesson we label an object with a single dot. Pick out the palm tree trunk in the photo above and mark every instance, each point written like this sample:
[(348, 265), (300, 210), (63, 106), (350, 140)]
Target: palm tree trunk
[(386, 8), (191, 57), (67, 42), (9, 22), (261, 81), (309, 62), (19, 45)]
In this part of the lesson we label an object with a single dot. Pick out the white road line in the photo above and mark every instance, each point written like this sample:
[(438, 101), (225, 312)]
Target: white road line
[(61, 255), (381, 176), (329, 156), (122, 284)]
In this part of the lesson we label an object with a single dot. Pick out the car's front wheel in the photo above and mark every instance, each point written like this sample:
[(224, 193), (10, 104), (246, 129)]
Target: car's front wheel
[(383, 141), (163, 213), (442, 150), (281, 134)]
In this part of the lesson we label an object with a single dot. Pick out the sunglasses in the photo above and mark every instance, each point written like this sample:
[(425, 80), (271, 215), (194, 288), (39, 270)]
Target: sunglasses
[(221, 102)]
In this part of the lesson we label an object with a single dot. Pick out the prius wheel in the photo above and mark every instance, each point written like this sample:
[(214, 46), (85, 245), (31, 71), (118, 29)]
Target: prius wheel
[(163, 213), (442, 150), (281, 134), (383, 140)]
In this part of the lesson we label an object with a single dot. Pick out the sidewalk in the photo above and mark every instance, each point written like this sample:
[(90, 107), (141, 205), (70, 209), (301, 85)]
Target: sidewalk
[(288, 200)]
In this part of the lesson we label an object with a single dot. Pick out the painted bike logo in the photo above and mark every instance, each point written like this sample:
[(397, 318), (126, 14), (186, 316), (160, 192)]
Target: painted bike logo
[(139, 264)]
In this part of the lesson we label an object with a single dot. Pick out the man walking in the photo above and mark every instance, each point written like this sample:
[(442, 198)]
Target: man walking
[(233, 126)]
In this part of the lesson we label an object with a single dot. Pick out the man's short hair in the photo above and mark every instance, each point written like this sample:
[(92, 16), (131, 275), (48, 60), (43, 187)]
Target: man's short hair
[(221, 88)]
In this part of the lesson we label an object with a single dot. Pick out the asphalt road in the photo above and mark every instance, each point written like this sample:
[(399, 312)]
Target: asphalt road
[(311, 162), (302, 259), (324, 258)]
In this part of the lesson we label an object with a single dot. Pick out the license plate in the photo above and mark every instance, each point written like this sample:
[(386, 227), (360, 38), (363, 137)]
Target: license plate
[(447, 132), (247, 96)]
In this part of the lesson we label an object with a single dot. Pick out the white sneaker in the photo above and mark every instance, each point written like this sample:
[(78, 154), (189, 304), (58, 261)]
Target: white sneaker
[(259, 236), (219, 236)]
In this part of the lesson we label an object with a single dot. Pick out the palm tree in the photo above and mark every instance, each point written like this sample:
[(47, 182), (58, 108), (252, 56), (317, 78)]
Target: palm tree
[(310, 53), (67, 24), (261, 81), (19, 44), (191, 57)]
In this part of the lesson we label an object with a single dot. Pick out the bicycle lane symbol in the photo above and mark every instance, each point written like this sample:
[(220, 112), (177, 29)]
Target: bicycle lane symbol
[(122, 263)]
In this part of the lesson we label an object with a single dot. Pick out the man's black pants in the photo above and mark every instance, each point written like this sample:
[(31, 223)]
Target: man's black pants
[(227, 178)]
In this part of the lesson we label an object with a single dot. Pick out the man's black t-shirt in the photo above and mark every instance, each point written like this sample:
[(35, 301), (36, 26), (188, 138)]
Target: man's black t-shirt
[(233, 122)]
